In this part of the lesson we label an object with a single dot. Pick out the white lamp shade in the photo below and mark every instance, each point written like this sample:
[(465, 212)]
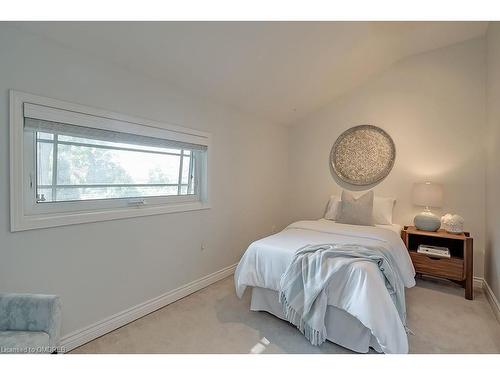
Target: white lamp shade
[(428, 194)]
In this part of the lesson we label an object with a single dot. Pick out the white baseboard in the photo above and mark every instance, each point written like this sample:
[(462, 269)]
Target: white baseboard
[(478, 282), (492, 299), (93, 331)]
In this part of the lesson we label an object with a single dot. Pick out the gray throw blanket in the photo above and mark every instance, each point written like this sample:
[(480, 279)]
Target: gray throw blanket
[(302, 286)]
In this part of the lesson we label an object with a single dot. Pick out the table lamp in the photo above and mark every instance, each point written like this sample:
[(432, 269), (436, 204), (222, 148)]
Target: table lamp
[(429, 195)]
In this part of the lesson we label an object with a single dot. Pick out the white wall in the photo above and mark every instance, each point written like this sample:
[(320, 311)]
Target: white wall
[(433, 107), (492, 259), (102, 268)]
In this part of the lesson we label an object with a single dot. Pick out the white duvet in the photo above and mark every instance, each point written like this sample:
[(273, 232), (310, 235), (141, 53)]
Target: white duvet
[(358, 289)]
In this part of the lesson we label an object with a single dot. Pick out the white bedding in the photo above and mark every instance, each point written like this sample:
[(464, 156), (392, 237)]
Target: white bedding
[(359, 289)]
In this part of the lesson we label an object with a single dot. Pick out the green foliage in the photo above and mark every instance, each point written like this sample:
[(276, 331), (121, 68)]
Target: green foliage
[(81, 165), (158, 176), (88, 165)]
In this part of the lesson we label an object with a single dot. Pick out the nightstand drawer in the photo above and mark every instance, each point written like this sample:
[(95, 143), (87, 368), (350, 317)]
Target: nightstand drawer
[(451, 268)]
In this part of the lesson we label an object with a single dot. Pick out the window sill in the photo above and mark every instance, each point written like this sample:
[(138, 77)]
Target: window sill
[(27, 222)]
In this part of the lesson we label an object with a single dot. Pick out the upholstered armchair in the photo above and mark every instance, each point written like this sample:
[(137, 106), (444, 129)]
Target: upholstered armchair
[(29, 323)]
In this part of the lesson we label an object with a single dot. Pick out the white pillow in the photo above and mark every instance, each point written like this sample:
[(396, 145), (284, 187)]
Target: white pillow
[(333, 208), (382, 209)]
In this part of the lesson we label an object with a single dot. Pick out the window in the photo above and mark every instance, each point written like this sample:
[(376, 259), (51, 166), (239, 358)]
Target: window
[(74, 164), (107, 165)]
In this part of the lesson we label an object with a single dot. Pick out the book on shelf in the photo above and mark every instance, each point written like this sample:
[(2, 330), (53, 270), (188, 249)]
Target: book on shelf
[(435, 251)]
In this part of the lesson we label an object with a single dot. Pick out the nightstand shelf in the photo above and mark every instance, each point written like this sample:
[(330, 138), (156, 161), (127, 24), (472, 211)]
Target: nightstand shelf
[(458, 268)]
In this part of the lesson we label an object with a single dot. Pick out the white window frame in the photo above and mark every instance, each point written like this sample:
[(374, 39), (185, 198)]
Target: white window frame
[(26, 214)]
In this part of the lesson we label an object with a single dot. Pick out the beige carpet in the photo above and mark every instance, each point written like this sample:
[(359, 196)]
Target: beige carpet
[(214, 320)]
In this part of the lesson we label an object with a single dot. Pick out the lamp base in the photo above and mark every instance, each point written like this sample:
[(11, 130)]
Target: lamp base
[(427, 221)]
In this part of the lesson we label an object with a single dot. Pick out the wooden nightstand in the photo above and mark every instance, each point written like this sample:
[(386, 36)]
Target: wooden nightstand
[(458, 268)]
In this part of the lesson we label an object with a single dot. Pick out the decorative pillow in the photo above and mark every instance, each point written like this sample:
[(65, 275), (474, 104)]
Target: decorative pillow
[(333, 208), (356, 211), (382, 210)]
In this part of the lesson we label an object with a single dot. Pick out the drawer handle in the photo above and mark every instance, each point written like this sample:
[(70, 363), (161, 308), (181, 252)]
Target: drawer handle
[(434, 258)]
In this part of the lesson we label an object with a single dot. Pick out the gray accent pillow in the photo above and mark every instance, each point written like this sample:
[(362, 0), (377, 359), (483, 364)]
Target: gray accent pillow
[(356, 211)]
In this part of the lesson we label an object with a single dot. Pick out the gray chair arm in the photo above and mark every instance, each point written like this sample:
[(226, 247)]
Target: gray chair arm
[(31, 312)]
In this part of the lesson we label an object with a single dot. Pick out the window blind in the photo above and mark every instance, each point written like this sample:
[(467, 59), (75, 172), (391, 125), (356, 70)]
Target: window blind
[(105, 135), (54, 120)]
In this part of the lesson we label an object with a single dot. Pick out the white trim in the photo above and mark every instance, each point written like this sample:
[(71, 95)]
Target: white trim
[(492, 299), (478, 282), (93, 331), (55, 220), (16, 162), (22, 218)]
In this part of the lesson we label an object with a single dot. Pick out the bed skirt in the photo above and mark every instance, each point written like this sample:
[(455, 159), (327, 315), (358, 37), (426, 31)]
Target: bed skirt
[(342, 328)]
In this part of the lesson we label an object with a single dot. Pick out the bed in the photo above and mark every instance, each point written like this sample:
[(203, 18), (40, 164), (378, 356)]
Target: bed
[(361, 313)]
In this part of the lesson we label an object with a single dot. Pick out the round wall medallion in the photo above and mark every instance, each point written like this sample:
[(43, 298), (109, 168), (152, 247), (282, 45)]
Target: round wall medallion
[(363, 155)]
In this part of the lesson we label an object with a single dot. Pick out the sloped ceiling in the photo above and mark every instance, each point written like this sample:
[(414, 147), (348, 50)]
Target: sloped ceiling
[(276, 70)]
